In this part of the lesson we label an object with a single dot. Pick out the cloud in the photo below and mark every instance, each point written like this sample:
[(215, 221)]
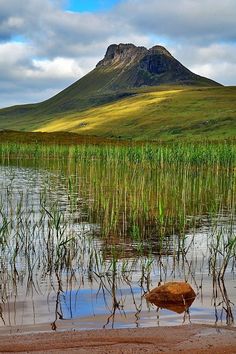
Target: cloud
[(216, 61), (199, 20), (57, 47), (56, 68), (25, 79)]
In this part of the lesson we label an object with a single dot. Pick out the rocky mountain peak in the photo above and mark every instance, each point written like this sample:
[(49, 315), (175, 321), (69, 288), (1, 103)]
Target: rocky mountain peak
[(158, 49), (129, 66), (121, 54)]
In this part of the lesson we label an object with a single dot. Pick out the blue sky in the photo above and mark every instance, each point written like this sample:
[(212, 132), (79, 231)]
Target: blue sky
[(45, 45), (90, 5)]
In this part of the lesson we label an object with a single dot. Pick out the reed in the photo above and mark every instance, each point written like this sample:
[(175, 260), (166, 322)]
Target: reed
[(113, 216)]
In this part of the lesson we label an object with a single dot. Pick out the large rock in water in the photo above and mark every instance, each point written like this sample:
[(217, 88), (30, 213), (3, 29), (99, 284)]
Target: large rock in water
[(174, 296)]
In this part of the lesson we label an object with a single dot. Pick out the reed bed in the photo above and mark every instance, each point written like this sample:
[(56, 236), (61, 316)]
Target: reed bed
[(115, 215), (222, 154)]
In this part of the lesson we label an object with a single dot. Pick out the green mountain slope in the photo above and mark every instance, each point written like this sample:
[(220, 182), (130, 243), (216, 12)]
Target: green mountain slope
[(148, 114), (133, 92)]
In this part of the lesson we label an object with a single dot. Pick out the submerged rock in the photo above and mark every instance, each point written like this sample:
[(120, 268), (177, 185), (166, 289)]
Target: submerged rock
[(174, 296)]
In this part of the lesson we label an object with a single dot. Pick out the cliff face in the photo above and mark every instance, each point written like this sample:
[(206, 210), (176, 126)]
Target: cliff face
[(138, 66), (122, 55)]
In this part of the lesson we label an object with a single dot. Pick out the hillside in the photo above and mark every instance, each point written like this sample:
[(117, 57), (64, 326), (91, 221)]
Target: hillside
[(157, 115), (151, 114), (137, 93)]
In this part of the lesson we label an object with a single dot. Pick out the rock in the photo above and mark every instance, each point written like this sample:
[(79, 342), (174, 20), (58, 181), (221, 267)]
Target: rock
[(174, 296), (134, 67), (122, 55)]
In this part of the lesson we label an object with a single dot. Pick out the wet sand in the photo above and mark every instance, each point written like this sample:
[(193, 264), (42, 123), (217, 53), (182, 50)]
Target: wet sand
[(180, 339)]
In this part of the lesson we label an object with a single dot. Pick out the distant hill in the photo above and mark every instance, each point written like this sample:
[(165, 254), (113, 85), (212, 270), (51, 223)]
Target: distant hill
[(133, 92)]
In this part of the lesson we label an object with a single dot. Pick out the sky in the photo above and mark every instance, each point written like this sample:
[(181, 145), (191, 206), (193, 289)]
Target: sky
[(45, 45)]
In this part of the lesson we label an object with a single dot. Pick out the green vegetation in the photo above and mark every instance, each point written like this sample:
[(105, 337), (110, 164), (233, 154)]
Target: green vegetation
[(152, 181), (134, 93), (152, 155), (166, 113), (110, 217), (107, 187)]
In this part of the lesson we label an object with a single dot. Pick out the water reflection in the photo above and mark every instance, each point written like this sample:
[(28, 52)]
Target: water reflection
[(83, 243)]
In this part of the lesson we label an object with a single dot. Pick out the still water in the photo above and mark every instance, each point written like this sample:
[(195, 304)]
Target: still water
[(82, 244)]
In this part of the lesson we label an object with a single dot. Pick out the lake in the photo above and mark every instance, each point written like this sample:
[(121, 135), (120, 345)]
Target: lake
[(83, 240)]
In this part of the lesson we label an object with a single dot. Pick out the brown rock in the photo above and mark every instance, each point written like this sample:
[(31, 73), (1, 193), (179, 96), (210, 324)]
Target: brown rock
[(174, 296)]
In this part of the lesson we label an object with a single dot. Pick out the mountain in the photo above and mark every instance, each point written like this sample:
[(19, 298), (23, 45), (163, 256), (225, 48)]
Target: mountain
[(129, 83), (133, 67)]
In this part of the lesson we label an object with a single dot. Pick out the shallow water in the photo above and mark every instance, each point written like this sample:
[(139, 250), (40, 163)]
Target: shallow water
[(63, 263)]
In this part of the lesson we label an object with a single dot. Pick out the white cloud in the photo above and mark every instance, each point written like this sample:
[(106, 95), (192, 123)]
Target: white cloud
[(198, 20), (59, 47), (216, 61), (25, 80), (223, 72), (56, 68), (11, 52)]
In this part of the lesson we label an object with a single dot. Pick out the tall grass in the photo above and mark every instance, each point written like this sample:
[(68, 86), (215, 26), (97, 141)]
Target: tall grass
[(105, 214), (222, 154)]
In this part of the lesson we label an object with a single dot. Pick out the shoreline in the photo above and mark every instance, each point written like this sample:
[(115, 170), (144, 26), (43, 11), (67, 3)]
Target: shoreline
[(191, 338)]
